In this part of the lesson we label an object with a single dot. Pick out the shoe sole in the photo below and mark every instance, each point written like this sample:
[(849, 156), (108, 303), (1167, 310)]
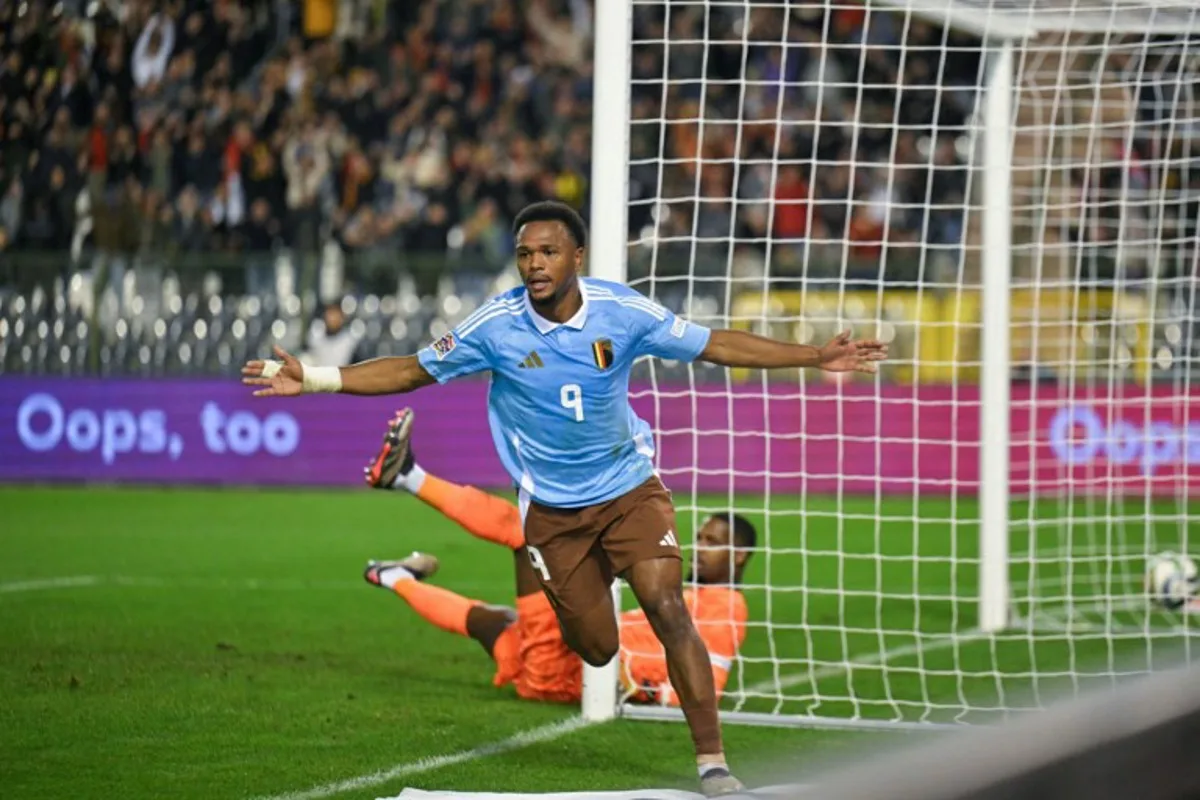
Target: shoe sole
[(401, 436)]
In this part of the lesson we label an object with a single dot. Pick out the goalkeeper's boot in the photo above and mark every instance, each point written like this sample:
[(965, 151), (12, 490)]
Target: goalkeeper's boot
[(395, 456), (420, 565), (719, 783)]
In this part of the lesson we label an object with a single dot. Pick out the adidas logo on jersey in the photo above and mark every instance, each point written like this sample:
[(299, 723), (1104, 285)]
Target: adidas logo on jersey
[(669, 540), (532, 361)]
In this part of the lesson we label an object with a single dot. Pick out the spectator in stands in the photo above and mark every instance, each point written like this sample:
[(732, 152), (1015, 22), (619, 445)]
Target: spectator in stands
[(260, 235), (10, 212), (430, 129), (331, 343), (153, 50)]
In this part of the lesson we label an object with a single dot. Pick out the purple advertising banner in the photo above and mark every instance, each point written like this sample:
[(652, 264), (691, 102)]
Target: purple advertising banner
[(854, 439), (215, 431)]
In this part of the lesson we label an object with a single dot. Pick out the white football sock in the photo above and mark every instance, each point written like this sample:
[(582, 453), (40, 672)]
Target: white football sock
[(393, 575), (410, 481)]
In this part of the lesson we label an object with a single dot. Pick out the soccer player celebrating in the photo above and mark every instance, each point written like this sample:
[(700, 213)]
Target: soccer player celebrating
[(526, 643), (560, 348)]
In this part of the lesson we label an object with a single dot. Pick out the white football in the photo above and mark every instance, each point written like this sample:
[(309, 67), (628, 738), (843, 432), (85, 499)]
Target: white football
[(1171, 579)]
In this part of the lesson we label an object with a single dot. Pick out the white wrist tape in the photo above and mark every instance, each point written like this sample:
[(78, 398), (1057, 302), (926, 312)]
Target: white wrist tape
[(321, 379)]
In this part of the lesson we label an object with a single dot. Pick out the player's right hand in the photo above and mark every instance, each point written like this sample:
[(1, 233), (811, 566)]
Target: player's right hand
[(283, 378)]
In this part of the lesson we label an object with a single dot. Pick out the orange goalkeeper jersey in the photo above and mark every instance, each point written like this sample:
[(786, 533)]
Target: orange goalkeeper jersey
[(720, 616)]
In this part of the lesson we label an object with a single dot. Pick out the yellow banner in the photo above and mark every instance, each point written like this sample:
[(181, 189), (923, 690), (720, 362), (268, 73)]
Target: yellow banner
[(934, 337)]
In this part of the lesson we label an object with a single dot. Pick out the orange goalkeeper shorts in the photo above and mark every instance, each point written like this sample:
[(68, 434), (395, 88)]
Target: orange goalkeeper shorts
[(532, 655)]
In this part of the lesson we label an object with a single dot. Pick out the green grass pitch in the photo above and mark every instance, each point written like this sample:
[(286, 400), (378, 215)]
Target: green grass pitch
[(221, 644)]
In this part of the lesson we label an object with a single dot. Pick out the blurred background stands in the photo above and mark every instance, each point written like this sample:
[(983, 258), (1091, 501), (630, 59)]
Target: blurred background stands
[(183, 183)]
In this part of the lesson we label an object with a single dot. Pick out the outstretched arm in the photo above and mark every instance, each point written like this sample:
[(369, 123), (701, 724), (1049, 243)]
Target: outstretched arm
[(732, 348), (388, 375), (287, 377)]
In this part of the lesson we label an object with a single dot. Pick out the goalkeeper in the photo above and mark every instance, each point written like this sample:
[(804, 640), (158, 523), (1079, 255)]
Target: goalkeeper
[(526, 643)]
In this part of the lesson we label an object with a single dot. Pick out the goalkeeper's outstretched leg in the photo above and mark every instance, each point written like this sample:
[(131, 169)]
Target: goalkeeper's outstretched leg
[(442, 608), (525, 642), (481, 514)]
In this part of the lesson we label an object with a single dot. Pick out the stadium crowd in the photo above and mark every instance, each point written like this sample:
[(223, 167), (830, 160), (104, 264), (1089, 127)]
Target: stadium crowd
[(374, 154), (164, 133)]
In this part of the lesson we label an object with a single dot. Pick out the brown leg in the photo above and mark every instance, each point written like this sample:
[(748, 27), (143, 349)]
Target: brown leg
[(584, 607), (593, 635), (527, 582), (574, 572), (658, 584)]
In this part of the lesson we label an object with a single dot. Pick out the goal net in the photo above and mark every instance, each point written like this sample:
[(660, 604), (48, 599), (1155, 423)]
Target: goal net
[(1008, 193)]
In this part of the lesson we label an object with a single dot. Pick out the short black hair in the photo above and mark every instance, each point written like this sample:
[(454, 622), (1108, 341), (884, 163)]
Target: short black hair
[(744, 534), (553, 211)]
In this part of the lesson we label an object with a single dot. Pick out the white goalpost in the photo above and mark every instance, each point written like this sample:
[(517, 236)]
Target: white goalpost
[(995, 319), (612, 32), (1008, 192)]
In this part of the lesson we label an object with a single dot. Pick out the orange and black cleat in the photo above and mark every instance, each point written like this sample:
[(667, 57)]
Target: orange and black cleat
[(395, 457)]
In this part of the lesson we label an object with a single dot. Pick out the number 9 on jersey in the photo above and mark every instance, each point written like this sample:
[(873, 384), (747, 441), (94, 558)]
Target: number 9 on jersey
[(572, 398)]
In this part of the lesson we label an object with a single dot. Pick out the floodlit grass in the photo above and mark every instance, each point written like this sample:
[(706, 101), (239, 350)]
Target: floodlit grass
[(221, 644)]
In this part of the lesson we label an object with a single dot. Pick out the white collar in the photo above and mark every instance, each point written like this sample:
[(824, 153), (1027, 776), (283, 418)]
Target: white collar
[(544, 325)]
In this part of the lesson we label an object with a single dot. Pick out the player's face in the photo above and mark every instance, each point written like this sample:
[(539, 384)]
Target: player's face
[(716, 557), (548, 260)]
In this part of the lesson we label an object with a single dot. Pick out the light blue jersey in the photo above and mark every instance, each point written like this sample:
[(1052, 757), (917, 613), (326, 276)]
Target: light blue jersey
[(559, 399)]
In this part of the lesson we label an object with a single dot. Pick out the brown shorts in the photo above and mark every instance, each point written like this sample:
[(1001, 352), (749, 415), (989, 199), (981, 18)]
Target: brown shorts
[(575, 552)]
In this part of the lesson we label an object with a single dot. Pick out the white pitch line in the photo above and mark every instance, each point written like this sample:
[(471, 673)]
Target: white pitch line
[(184, 582), (151, 582), (544, 733), (245, 584), (38, 584)]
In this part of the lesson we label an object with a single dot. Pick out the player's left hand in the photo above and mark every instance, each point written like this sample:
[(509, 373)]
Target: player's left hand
[(843, 354)]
